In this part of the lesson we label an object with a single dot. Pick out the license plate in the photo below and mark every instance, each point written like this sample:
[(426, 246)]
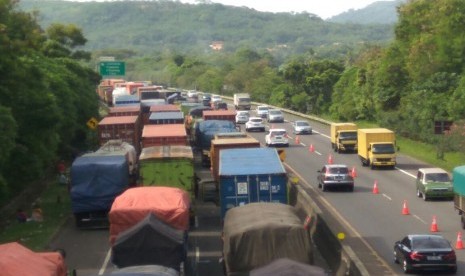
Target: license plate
[(433, 258)]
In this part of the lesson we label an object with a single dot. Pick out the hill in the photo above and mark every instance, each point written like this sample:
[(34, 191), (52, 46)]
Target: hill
[(159, 25), (381, 12)]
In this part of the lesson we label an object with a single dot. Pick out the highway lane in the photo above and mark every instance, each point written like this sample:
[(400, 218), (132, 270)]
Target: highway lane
[(376, 218)]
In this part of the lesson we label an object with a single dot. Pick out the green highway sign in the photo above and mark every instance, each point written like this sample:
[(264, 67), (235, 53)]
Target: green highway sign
[(112, 68)]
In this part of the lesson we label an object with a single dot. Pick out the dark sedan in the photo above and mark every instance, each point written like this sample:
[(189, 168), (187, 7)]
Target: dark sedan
[(335, 176), (425, 252)]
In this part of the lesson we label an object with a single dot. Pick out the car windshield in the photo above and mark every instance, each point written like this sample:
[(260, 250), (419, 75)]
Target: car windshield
[(352, 135), (274, 112), (262, 108), (256, 120), (420, 243), (437, 177), (339, 170), (302, 124), (383, 148)]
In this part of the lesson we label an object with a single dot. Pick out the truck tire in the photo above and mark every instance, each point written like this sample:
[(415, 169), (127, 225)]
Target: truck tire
[(462, 221)]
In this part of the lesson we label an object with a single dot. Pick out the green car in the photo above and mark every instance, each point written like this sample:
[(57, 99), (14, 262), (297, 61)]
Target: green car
[(434, 183)]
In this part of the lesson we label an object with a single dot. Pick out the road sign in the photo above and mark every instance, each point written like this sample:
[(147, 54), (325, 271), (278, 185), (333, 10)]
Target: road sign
[(92, 123), (112, 68)]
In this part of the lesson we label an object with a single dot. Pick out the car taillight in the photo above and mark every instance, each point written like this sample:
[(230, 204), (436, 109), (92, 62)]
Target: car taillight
[(417, 256), (450, 256)]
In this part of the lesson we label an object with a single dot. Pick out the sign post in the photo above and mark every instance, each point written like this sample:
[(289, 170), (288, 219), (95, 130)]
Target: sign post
[(112, 68)]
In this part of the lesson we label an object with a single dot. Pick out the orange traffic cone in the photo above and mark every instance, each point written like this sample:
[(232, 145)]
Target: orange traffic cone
[(405, 210), (307, 221), (459, 243), (311, 148), (375, 187), (434, 225), (330, 159), (353, 172), (297, 139)]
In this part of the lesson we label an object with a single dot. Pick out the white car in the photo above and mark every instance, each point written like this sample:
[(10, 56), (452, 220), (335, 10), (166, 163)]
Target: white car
[(277, 137), (262, 111), (255, 123), (302, 127), (275, 115), (216, 98), (242, 117), (192, 93)]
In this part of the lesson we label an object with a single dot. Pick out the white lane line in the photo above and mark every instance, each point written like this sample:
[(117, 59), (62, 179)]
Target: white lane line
[(196, 222), (386, 196), (303, 144), (417, 217), (319, 153), (105, 263), (405, 172), (197, 254)]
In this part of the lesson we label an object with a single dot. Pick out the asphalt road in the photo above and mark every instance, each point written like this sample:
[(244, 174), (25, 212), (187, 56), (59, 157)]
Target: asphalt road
[(375, 218)]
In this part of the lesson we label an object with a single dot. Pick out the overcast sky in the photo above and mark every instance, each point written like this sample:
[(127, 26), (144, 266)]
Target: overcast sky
[(322, 8)]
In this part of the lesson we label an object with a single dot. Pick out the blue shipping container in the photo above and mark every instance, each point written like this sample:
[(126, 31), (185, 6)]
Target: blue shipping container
[(251, 175)]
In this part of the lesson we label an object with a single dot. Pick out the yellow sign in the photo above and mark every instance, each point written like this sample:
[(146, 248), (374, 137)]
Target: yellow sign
[(282, 155), (92, 123), (341, 236)]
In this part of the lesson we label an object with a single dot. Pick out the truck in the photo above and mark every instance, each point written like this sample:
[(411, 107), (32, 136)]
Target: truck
[(344, 137), (376, 147), (271, 231), (96, 180), (458, 182), (220, 143), (242, 101), (248, 175)]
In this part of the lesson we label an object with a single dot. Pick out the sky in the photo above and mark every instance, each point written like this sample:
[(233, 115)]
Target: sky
[(323, 8)]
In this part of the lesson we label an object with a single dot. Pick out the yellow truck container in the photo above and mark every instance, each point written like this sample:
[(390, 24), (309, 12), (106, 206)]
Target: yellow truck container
[(344, 137), (376, 147)]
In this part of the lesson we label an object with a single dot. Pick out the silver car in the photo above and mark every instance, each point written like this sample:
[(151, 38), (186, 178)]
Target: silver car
[(242, 117), (262, 111), (335, 176), (275, 115), (302, 127)]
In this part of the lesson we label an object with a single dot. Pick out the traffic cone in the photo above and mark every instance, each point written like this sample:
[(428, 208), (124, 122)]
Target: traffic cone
[(307, 221), (311, 148), (405, 210), (297, 139), (459, 243), (330, 159), (434, 225), (375, 187), (353, 172)]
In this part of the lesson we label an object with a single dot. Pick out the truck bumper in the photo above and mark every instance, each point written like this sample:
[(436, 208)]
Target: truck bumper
[(383, 164)]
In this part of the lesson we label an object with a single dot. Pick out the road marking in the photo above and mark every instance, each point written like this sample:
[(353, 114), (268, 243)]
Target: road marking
[(405, 172), (197, 254), (105, 263), (205, 234), (344, 221), (417, 217), (303, 144), (319, 153), (386, 196), (196, 222)]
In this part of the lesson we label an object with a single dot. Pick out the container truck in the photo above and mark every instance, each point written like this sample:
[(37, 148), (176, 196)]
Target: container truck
[(257, 234), (250, 175), (165, 118), (163, 135), (125, 128), (344, 137), (96, 180), (242, 101), (227, 115), (220, 143), (376, 147), (458, 181)]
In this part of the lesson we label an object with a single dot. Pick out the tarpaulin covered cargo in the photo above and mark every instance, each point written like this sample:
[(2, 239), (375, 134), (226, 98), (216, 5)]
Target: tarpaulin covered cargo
[(285, 266), (251, 175), (206, 130), (458, 176), (258, 233), (170, 205), (151, 241), (96, 181), (144, 270), (17, 260), (118, 147), (169, 117), (161, 135), (171, 166)]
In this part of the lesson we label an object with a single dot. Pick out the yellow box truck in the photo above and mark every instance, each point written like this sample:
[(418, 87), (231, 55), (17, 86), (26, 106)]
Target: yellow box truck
[(376, 147), (344, 137)]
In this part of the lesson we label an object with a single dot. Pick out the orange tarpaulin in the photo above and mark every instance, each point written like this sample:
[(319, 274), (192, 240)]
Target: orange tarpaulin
[(16, 259), (170, 205)]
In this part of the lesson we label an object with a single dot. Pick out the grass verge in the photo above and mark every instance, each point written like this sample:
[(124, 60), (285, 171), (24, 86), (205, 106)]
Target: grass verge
[(56, 207)]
